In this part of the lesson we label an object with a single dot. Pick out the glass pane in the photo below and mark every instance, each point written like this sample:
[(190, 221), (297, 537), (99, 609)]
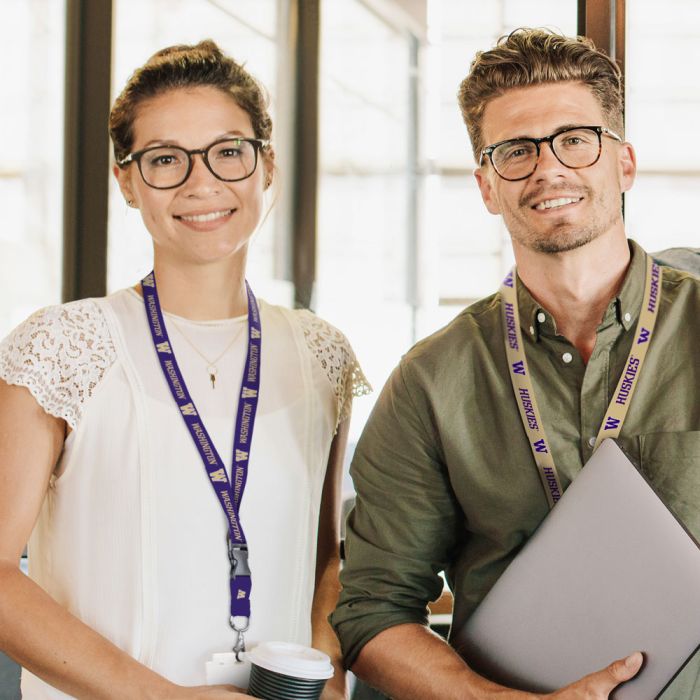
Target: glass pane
[(31, 160), (364, 251), (248, 31), (661, 116), (472, 247), (412, 252)]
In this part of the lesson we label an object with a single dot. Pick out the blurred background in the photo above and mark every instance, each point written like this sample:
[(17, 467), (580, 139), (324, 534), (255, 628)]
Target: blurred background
[(376, 223)]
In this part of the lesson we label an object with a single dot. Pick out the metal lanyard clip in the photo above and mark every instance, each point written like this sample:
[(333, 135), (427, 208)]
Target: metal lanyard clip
[(239, 645)]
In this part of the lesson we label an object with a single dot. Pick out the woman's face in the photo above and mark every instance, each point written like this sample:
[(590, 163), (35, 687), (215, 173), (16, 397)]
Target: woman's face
[(205, 219)]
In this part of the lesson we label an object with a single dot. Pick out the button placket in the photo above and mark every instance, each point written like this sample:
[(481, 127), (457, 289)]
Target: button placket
[(594, 392)]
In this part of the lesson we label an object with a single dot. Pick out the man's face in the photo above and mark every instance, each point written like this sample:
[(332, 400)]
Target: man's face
[(556, 208)]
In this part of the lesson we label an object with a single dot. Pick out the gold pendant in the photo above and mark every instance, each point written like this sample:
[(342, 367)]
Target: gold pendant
[(212, 375)]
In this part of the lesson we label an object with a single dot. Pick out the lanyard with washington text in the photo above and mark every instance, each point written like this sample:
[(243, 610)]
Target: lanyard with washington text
[(229, 494), (525, 392)]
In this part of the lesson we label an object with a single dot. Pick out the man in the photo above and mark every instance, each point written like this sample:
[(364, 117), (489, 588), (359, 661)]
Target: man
[(445, 475)]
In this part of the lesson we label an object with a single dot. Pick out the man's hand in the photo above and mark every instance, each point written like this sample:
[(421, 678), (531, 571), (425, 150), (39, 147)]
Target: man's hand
[(599, 685)]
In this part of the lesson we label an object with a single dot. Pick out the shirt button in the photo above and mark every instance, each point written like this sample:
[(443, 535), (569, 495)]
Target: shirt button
[(591, 441), (567, 357), (541, 317), (628, 317)]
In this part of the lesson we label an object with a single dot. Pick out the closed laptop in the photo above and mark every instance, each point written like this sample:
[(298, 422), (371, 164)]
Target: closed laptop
[(609, 571)]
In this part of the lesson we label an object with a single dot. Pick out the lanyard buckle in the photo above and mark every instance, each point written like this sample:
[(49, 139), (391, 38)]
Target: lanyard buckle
[(238, 558)]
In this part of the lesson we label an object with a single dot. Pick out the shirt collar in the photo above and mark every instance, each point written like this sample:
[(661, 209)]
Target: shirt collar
[(535, 320), (628, 301)]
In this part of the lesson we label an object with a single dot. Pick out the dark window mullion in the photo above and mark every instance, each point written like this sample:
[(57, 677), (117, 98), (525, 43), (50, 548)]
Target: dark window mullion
[(86, 147), (305, 146), (603, 21)]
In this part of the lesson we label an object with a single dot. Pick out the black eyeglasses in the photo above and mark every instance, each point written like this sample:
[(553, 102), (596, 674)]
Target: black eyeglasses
[(165, 167), (575, 147)]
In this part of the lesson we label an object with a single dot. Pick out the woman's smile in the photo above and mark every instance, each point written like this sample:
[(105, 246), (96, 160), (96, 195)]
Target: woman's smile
[(206, 221)]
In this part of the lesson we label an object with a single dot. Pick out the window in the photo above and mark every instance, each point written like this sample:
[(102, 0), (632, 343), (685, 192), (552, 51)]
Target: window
[(365, 249), (471, 249), (663, 101), (31, 160)]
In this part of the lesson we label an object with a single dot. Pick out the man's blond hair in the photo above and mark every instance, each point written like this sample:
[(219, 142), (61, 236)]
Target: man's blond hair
[(528, 57)]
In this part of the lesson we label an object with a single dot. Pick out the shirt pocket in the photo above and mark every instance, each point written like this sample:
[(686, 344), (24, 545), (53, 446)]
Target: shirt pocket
[(671, 463)]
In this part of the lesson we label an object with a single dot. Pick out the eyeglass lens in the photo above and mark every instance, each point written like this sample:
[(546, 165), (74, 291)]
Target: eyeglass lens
[(168, 166), (577, 148)]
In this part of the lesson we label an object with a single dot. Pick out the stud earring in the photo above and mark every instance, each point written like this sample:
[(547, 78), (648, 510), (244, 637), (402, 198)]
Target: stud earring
[(130, 202)]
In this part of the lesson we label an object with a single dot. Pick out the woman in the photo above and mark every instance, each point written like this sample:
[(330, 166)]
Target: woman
[(117, 417)]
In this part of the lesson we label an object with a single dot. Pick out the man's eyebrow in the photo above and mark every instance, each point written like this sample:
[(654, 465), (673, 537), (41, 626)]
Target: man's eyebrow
[(561, 127), (564, 127)]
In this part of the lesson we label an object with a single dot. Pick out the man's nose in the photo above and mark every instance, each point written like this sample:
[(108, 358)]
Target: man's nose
[(547, 162)]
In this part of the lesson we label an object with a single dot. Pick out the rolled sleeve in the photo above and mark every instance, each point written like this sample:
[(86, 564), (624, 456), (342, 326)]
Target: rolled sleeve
[(404, 525)]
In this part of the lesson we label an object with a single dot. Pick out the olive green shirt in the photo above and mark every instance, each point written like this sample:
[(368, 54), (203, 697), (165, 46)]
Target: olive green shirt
[(444, 474)]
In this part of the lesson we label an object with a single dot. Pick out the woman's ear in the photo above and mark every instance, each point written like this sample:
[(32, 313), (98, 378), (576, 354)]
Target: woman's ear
[(124, 181)]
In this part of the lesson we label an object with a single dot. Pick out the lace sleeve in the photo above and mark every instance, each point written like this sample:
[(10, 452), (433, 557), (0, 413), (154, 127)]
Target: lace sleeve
[(60, 354), (333, 352)]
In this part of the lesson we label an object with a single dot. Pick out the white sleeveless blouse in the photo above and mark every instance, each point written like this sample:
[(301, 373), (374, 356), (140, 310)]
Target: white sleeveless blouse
[(131, 538)]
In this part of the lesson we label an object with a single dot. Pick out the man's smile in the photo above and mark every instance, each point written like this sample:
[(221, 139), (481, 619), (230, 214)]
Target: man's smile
[(556, 203)]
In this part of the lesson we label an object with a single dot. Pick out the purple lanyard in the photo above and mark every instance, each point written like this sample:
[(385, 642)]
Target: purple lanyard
[(229, 494)]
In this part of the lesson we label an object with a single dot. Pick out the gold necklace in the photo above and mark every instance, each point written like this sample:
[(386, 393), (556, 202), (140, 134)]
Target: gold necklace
[(212, 369)]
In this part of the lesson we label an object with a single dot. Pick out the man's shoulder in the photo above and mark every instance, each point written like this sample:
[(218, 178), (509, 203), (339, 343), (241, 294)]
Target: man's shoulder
[(682, 263), (474, 332), (681, 279)]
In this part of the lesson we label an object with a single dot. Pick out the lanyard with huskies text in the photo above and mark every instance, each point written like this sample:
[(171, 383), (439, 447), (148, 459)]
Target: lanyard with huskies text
[(228, 492), (525, 391)]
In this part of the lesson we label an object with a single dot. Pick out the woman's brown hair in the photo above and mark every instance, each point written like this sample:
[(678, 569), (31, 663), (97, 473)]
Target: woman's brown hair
[(184, 66)]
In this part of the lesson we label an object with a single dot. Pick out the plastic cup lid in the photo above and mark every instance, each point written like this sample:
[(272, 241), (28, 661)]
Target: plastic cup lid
[(293, 660)]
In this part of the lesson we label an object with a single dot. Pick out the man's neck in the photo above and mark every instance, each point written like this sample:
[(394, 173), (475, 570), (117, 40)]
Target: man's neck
[(202, 292), (577, 286)]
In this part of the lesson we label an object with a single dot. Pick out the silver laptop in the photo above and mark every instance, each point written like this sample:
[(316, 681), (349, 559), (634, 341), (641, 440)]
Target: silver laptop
[(609, 571)]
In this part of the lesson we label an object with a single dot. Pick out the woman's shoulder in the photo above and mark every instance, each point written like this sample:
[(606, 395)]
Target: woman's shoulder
[(311, 325), (60, 353), (60, 328), (333, 355)]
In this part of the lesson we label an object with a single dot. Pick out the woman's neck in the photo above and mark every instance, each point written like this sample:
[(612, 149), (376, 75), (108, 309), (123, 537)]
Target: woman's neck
[(202, 292)]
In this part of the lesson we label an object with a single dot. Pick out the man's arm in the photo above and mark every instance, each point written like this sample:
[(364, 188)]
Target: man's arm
[(404, 525), (405, 528), (408, 662)]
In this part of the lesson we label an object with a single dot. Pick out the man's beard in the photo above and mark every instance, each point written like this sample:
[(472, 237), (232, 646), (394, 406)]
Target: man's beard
[(561, 235), (566, 239)]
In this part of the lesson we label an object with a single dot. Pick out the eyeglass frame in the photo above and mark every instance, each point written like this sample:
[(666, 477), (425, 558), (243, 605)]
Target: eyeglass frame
[(135, 157), (599, 130)]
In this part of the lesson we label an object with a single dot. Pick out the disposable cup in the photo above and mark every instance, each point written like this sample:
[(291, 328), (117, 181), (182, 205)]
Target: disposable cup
[(285, 671)]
